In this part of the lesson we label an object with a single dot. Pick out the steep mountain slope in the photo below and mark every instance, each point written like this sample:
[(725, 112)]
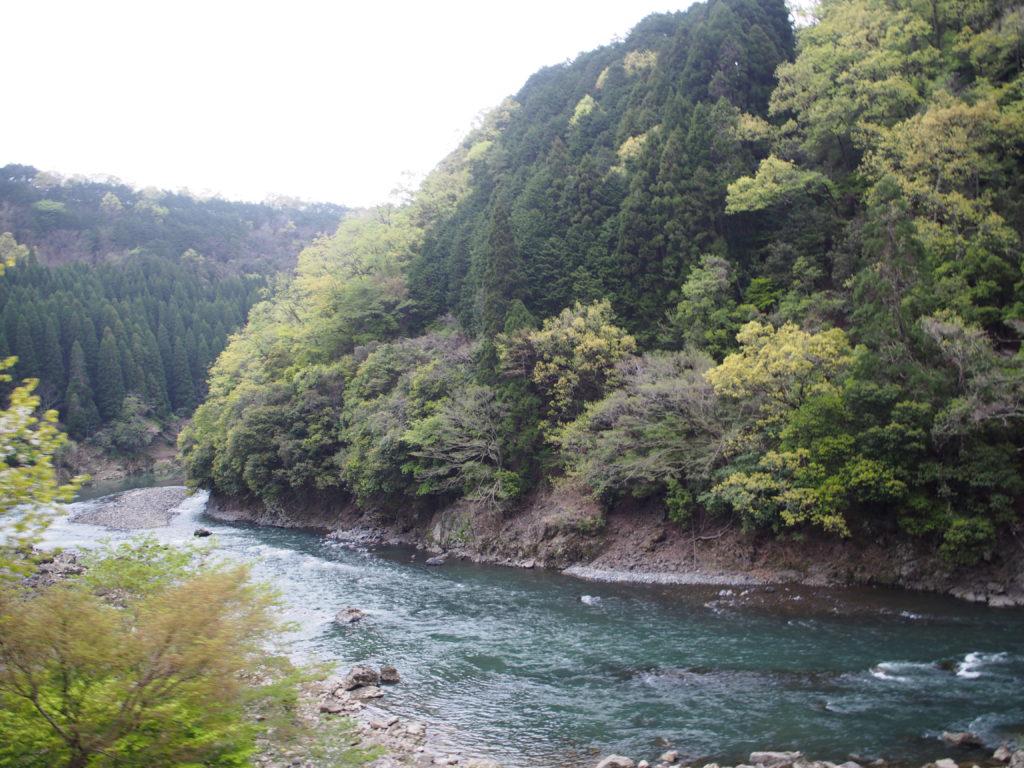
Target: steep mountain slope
[(691, 271), (65, 220)]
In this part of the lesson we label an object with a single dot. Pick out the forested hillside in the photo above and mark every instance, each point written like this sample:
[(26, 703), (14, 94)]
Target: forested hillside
[(95, 220), (731, 271), (119, 343), (119, 300)]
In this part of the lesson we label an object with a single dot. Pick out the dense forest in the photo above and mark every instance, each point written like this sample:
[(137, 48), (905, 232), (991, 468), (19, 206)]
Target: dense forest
[(99, 219), (729, 270), (118, 301)]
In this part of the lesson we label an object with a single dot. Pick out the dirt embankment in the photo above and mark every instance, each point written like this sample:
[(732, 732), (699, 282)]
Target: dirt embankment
[(160, 457), (563, 529)]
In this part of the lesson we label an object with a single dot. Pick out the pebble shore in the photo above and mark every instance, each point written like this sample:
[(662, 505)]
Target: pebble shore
[(137, 509)]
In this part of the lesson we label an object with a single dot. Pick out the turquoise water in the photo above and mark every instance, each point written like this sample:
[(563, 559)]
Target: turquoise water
[(537, 669)]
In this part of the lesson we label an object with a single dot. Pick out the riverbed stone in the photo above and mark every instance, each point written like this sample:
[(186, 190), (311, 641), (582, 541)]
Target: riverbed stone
[(946, 763), (964, 739), (775, 759), (368, 692), (849, 764), (481, 762), (349, 616), (1017, 759), (332, 707), (436, 560), (616, 761), (415, 729), (360, 676), (389, 674), (1002, 754), (643, 764), (670, 756)]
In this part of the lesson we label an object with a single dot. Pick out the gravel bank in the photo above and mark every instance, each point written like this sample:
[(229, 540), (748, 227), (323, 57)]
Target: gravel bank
[(135, 509)]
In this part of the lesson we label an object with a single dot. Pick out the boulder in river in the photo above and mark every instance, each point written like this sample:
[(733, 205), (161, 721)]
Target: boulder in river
[(1002, 754), (962, 739), (1017, 759), (360, 676), (774, 759), (202, 532), (616, 761), (669, 757), (389, 674), (436, 560), (946, 763), (349, 616)]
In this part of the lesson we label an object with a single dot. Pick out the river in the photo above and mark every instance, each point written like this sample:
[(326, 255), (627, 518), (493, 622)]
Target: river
[(537, 669)]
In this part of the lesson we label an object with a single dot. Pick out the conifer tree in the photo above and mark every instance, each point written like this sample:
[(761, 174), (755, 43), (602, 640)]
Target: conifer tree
[(109, 377), (184, 394), (80, 413)]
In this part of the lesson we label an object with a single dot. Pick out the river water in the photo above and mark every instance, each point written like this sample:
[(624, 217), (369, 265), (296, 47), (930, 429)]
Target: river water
[(538, 669)]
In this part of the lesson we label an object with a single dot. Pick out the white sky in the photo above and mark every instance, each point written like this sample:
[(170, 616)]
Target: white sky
[(321, 100)]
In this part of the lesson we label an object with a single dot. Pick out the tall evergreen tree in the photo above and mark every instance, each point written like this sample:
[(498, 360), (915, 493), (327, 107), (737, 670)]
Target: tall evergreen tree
[(109, 377), (80, 413)]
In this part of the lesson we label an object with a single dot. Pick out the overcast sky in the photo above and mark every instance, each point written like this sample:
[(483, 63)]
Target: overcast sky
[(325, 100)]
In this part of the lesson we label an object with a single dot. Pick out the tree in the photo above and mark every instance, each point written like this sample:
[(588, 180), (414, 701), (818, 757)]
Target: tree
[(28, 479), (162, 677), (80, 413), (570, 359), (184, 392), (707, 316), (109, 377), (775, 370), (461, 448)]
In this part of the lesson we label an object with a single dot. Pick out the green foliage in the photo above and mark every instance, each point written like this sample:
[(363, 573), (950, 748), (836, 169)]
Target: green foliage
[(776, 183), (153, 658), (28, 480), (571, 359), (708, 316)]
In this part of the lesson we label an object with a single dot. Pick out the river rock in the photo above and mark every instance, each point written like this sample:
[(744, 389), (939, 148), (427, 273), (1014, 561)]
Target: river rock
[(368, 692), (415, 729), (480, 762), (775, 759), (669, 757), (1017, 759), (436, 560), (332, 707), (1002, 754), (962, 739), (389, 674), (849, 764), (616, 761), (202, 532), (946, 763), (349, 616), (360, 676)]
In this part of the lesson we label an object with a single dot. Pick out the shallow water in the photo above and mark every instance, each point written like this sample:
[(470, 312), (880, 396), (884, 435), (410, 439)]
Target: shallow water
[(537, 669)]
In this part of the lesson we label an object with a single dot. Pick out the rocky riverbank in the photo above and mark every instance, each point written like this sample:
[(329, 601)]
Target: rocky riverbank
[(137, 509), (565, 530)]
